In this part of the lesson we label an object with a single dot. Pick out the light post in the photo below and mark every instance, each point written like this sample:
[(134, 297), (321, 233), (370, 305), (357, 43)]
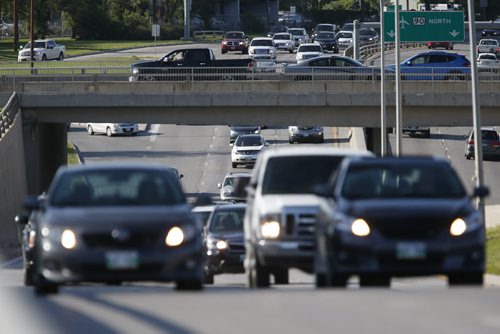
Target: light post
[(32, 40)]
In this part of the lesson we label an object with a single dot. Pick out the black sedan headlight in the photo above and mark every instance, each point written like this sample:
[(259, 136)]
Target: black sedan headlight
[(177, 235), (53, 237), (354, 225), (462, 225), (216, 244)]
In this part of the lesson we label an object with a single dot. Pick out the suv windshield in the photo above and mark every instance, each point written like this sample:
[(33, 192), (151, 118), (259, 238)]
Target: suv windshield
[(237, 35), (227, 220), (298, 174), (249, 141), (402, 181)]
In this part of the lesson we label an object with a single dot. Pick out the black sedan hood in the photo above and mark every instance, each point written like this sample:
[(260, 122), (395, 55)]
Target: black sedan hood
[(105, 217), (409, 208)]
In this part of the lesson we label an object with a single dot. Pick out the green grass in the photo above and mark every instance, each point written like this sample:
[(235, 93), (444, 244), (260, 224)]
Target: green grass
[(79, 48), (72, 156), (493, 251)]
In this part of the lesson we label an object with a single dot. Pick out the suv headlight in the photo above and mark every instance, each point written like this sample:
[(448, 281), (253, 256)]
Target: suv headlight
[(270, 226), (65, 237), (355, 225), (135, 70)]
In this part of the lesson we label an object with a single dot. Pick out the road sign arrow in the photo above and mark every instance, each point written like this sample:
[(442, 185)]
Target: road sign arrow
[(454, 33), (391, 34)]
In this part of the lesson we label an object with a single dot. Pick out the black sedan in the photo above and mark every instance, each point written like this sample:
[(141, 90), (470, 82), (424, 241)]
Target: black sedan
[(490, 32), (330, 68), (387, 217), (224, 247), (112, 223), (327, 41)]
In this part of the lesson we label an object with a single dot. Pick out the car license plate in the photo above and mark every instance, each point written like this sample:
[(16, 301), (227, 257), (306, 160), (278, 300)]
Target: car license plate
[(127, 130), (120, 260), (411, 250)]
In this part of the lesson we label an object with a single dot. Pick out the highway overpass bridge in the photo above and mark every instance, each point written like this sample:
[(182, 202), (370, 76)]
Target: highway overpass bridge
[(34, 146)]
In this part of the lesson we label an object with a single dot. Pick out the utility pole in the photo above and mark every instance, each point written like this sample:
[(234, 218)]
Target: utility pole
[(16, 31), (32, 39)]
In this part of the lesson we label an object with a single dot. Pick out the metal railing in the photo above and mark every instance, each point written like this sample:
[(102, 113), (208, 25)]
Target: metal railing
[(8, 114), (296, 78), (368, 50)]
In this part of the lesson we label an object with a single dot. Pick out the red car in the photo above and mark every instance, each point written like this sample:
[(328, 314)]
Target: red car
[(446, 45), (235, 41)]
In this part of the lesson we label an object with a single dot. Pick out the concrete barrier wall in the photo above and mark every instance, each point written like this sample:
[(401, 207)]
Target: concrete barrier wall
[(13, 187)]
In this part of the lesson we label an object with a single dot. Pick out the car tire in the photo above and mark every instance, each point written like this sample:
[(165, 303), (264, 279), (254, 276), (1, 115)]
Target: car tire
[(375, 281), (281, 276), (133, 134), (61, 57), (223, 52), (338, 280), (114, 283), (321, 280), (28, 276), (44, 57), (290, 140), (427, 134), (208, 278), (109, 133), (234, 165), (244, 52), (468, 156), (90, 130), (43, 288), (258, 275), (191, 285), (321, 140), (476, 279)]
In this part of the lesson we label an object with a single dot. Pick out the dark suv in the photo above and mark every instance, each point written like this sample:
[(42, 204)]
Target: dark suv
[(435, 65), (323, 27), (491, 143)]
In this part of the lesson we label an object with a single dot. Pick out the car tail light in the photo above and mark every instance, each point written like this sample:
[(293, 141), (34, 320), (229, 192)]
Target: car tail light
[(470, 142)]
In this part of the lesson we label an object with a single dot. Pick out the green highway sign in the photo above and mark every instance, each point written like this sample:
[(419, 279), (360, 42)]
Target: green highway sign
[(436, 26)]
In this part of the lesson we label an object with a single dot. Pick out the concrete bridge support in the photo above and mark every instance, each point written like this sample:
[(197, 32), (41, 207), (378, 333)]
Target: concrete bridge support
[(45, 146)]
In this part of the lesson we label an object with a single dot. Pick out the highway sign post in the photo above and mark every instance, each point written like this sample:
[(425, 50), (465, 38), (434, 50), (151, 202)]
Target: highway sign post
[(433, 26)]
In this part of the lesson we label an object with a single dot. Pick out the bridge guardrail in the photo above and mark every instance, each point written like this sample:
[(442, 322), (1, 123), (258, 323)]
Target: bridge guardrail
[(369, 50), (8, 114)]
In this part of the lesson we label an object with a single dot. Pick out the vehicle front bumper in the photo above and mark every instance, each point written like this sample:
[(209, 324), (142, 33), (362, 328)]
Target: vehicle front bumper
[(125, 129), (224, 261), (154, 264), (244, 159), (239, 48), (28, 58), (289, 253), (354, 255)]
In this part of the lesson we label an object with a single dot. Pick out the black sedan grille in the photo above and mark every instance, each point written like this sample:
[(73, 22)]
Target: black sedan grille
[(135, 240), (410, 228)]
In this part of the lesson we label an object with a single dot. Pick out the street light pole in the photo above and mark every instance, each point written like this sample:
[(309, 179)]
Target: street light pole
[(32, 41)]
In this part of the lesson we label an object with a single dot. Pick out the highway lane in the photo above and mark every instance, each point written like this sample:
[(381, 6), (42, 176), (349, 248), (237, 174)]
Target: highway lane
[(410, 306)]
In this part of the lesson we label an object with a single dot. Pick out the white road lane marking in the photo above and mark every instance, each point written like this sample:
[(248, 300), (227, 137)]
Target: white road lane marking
[(154, 132)]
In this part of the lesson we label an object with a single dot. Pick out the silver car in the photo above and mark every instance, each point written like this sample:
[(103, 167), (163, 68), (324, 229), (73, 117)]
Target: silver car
[(491, 143), (111, 129), (233, 187)]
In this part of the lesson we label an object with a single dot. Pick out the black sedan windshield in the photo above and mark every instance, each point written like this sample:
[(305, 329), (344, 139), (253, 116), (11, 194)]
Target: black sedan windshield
[(117, 187), (227, 220), (429, 180)]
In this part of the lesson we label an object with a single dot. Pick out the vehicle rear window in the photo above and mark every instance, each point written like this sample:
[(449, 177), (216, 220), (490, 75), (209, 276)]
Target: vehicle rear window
[(298, 174), (402, 181), (117, 187)]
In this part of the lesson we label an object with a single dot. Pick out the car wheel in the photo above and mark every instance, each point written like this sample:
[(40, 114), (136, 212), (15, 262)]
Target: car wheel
[(234, 165), (375, 281), (223, 52), (338, 280), (321, 280), (43, 288), (109, 133), (427, 134), (28, 276), (258, 275), (208, 278), (44, 57), (468, 156), (133, 134), (290, 140), (189, 285), (466, 279), (281, 276), (321, 139), (90, 130), (61, 56)]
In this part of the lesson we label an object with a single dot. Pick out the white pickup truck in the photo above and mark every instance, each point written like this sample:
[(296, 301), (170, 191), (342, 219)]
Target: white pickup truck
[(488, 46), (43, 49)]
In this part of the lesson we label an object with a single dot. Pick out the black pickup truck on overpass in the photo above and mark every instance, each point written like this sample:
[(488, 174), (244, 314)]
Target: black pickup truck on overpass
[(190, 64)]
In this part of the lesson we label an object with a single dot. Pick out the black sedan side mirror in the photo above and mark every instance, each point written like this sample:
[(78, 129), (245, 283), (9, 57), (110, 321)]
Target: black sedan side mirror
[(481, 192)]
